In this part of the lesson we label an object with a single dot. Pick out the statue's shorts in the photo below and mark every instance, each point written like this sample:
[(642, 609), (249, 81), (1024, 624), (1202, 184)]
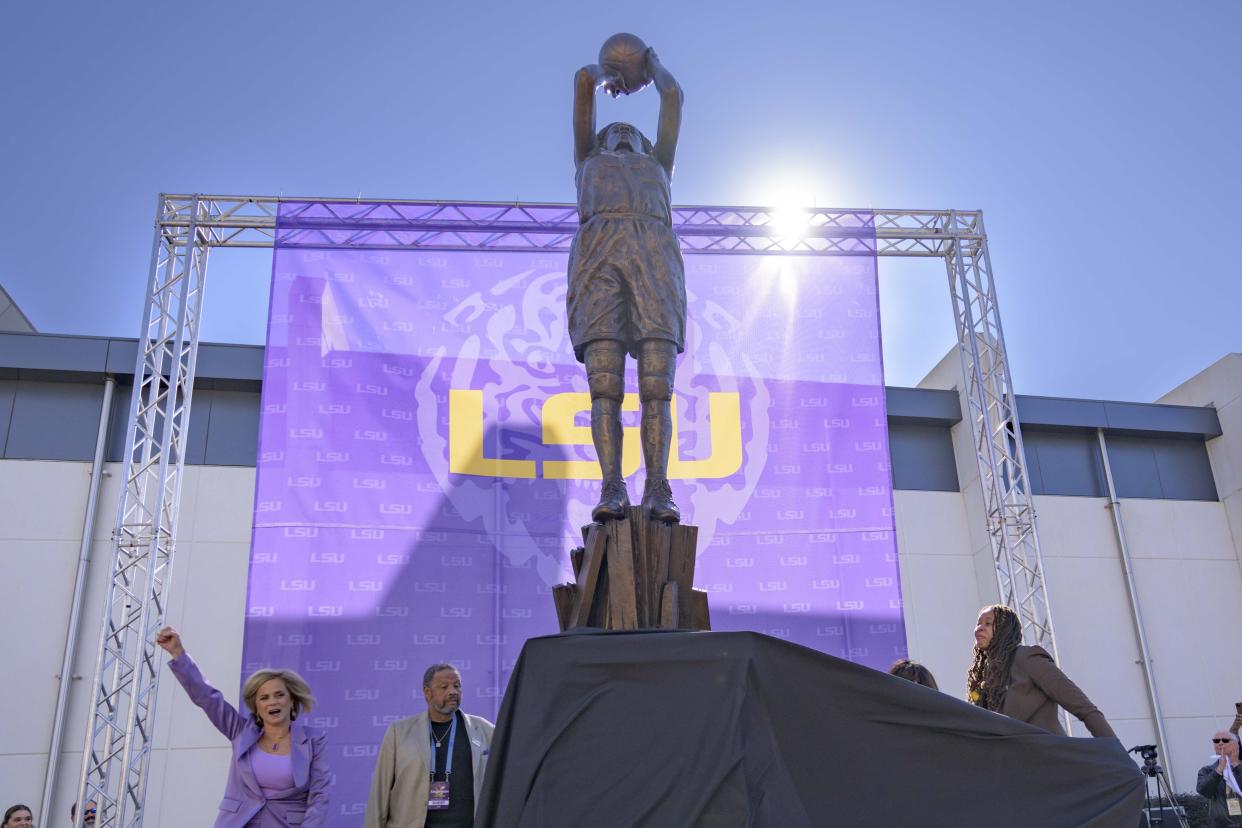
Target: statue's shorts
[(626, 282)]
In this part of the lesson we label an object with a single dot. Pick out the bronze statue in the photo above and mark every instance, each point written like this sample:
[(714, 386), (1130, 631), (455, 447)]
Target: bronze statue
[(627, 290)]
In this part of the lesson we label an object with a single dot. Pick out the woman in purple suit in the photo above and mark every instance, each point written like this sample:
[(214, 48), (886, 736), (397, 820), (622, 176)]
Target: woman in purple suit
[(278, 776)]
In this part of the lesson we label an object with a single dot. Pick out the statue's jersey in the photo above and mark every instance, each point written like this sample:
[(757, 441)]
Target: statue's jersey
[(626, 278), (623, 182)]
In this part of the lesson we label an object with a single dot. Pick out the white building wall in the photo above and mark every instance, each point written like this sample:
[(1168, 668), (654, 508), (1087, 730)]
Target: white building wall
[(1186, 578), (1210, 582), (42, 507), (1220, 386), (1186, 563)]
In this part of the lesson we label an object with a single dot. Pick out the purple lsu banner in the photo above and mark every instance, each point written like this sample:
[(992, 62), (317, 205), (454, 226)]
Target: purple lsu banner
[(425, 466)]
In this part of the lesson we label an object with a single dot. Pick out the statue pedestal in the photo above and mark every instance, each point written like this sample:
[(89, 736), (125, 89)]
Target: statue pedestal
[(633, 574)]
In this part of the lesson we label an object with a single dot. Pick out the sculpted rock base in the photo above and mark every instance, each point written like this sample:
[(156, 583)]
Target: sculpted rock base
[(632, 574)]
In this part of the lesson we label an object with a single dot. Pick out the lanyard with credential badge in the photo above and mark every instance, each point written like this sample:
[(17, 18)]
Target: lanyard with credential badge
[(438, 792)]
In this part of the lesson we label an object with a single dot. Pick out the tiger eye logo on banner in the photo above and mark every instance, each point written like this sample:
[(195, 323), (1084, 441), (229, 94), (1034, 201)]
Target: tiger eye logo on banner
[(425, 465)]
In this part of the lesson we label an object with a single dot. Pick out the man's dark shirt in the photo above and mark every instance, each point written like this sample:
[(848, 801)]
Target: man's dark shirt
[(1212, 787), (460, 812)]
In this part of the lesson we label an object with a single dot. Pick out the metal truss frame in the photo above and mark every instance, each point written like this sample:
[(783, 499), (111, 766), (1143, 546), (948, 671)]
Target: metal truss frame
[(118, 740), (117, 752), (993, 414)]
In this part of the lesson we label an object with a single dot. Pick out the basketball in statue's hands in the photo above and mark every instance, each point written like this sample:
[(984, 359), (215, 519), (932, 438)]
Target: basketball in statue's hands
[(626, 55)]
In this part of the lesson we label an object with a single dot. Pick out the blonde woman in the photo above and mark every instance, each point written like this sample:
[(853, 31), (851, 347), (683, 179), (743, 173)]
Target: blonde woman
[(279, 773)]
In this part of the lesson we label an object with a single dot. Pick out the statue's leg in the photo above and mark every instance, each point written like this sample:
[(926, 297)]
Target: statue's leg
[(657, 361), (605, 365)]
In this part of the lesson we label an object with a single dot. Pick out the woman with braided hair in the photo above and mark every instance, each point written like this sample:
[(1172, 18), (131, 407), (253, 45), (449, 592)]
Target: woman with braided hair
[(1024, 682)]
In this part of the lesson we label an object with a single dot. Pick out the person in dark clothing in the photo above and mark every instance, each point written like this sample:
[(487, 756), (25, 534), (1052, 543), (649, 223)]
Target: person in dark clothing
[(1220, 782), (89, 810), (430, 766), (1023, 682)]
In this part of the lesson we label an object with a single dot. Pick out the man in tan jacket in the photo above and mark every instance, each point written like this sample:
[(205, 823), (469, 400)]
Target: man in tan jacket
[(430, 767)]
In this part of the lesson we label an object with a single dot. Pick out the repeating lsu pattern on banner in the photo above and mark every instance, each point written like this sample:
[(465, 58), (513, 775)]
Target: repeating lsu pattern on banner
[(426, 465)]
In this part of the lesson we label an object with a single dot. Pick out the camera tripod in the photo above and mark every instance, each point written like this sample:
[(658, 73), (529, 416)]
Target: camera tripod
[(1163, 793)]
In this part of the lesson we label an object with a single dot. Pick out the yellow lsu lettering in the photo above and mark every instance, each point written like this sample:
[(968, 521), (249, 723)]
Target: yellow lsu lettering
[(558, 414), (559, 429)]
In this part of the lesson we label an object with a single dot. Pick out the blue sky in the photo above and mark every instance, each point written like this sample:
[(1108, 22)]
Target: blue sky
[(1099, 138)]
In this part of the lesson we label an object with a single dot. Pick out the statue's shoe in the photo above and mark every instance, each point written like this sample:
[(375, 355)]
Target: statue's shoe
[(613, 501), (658, 501)]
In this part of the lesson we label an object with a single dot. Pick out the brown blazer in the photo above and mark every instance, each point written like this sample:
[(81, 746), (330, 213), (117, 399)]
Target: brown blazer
[(1037, 686)]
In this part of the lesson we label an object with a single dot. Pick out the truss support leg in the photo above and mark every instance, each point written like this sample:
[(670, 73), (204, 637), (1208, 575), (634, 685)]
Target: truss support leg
[(997, 435), (117, 752)]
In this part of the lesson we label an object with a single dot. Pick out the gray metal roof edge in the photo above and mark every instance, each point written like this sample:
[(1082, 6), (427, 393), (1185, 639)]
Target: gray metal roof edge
[(929, 406), (85, 355), (118, 355), (1117, 416)]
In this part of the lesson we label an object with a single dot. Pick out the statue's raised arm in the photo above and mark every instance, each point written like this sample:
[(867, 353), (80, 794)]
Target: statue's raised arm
[(586, 81), (671, 99)]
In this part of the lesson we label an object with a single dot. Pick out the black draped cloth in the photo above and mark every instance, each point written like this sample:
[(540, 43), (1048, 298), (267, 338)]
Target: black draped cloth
[(725, 729)]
